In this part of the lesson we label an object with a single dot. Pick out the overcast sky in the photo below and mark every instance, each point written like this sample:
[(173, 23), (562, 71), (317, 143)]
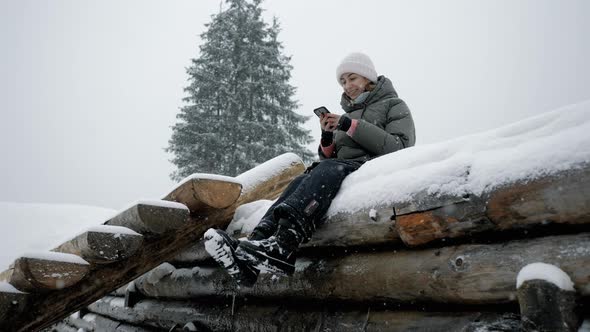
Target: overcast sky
[(89, 89)]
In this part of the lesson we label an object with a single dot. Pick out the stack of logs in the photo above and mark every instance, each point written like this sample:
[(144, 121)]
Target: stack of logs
[(429, 264), (42, 288)]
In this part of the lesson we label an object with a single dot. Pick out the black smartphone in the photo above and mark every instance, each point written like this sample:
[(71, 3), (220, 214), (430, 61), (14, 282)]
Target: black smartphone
[(321, 110)]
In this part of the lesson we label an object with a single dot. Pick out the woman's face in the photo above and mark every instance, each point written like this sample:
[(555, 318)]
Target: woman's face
[(353, 84)]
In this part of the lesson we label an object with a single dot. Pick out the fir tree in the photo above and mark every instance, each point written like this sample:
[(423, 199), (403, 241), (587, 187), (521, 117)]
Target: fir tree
[(239, 111)]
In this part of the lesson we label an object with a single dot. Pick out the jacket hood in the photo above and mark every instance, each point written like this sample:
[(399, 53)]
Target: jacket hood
[(383, 89)]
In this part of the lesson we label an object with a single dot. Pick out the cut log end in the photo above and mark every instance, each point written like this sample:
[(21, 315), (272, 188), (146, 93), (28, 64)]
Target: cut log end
[(100, 247), (32, 274), (546, 307), (11, 303), (149, 219), (110, 247), (200, 194)]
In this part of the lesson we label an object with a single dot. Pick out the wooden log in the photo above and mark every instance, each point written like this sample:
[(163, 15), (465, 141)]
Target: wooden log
[(547, 299), (45, 271), (368, 227), (45, 309), (465, 274), (222, 317), (196, 192), (103, 244), (12, 302), (562, 198), (152, 218)]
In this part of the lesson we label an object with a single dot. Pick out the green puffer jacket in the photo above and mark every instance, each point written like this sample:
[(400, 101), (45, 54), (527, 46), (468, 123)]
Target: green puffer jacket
[(385, 125)]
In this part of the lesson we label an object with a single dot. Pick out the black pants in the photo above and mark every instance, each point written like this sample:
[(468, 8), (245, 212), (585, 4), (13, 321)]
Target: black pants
[(307, 198)]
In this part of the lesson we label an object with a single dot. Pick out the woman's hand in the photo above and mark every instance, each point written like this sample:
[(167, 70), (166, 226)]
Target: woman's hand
[(329, 121)]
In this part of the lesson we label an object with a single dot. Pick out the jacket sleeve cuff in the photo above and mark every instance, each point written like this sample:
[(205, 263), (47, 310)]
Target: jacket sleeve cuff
[(327, 150), (352, 128)]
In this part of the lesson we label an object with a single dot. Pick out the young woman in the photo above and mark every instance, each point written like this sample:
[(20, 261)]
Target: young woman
[(376, 122)]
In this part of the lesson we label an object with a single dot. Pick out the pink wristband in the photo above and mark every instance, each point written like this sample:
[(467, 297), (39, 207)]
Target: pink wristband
[(352, 128), (327, 150)]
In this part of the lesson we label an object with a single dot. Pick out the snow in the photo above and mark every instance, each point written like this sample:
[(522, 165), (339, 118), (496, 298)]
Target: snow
[(585, 326), (162, 203), (266, 170), (161, 271), (542, 145), (548, 272), (247, 216), (112, 229), (36, 227), (55, 256), (8, 288), (151, 202), (205, 176)]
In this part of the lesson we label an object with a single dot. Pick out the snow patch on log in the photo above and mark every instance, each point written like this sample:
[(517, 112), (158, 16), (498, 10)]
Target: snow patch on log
[(161, 203), (163, 270), (118, 302), (473, 164), (152, 202), (207, 176), (8, 288), (547, 272), (266, 170), (55, 256), (301, 264), (248, 216), (116, 230)]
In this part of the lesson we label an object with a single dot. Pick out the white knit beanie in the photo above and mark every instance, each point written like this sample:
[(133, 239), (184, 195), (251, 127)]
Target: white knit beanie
[(357, 63)]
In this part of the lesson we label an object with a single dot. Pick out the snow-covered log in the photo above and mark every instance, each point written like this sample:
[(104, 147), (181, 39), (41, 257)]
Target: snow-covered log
[(288, 317), (45, 271), (464, 274), (103, 244), (562, 198), (547, 299), (44, 309), (152, 218)]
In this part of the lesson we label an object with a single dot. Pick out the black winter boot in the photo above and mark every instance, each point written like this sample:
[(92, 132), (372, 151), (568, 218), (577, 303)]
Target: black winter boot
[(275, 254), (222, 248)]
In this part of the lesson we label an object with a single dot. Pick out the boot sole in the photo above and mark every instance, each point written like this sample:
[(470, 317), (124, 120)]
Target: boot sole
[(219, 247), (265, 262)]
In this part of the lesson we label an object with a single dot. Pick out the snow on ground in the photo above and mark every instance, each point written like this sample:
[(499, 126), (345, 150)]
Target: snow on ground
[(541, 145), (26, 227)]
